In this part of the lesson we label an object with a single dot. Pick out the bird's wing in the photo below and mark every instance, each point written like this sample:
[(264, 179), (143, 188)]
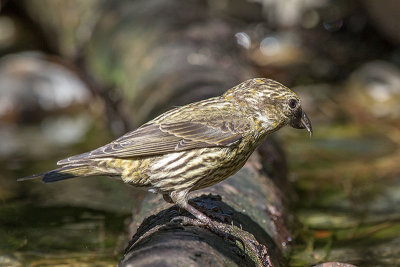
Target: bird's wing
[(157, 138)]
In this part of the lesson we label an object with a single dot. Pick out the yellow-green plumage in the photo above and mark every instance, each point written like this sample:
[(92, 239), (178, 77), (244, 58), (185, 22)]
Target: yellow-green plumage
[(194, 146)]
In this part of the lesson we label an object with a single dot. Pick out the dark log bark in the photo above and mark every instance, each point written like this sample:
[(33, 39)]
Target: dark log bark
[(163, 53)]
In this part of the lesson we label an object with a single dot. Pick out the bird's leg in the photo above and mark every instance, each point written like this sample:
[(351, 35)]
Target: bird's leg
[(180, 199), (202, 219), (198, 214), (215, 212)]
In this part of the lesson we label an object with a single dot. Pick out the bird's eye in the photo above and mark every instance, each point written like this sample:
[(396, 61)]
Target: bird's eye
[(293, 103)]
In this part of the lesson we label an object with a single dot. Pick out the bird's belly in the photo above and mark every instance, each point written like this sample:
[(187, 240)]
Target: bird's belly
[(194, 169), (220, 173)]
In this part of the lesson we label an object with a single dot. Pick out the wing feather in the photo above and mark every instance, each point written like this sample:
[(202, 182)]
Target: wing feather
[(161, 138)]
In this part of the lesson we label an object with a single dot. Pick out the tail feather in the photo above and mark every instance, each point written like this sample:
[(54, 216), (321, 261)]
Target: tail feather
[(30, 177), (65, 172)]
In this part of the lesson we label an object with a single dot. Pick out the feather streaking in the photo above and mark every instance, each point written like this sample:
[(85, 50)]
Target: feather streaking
[(194, 146)]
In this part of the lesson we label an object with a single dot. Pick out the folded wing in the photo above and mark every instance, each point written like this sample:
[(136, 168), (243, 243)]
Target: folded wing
[(161, 138)]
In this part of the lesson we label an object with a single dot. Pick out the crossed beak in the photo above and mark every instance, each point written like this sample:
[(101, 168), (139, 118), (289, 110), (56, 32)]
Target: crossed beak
[(301, 121)]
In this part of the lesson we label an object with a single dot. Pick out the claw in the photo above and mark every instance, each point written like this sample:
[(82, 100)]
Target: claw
[(187, 221), (215, 212), (220, 230)]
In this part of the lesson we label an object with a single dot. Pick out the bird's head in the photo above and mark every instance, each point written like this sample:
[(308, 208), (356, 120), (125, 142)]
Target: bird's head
[(272, 104)]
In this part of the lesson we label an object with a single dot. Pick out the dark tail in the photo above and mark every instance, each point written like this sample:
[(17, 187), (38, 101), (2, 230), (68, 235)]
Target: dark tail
[(63, 173)]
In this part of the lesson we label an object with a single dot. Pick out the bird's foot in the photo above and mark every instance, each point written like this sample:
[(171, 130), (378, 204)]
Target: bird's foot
[(187, 221), (215, 212), (219, 229)]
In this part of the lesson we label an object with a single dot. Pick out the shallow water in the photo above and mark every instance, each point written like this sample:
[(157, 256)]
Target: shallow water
[(347, 196)]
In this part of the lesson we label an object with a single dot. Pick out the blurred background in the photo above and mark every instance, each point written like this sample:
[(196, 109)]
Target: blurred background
[(76, 74)]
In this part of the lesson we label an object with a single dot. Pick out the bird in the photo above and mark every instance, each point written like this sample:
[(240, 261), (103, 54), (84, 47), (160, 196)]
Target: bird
[(193, 146)]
